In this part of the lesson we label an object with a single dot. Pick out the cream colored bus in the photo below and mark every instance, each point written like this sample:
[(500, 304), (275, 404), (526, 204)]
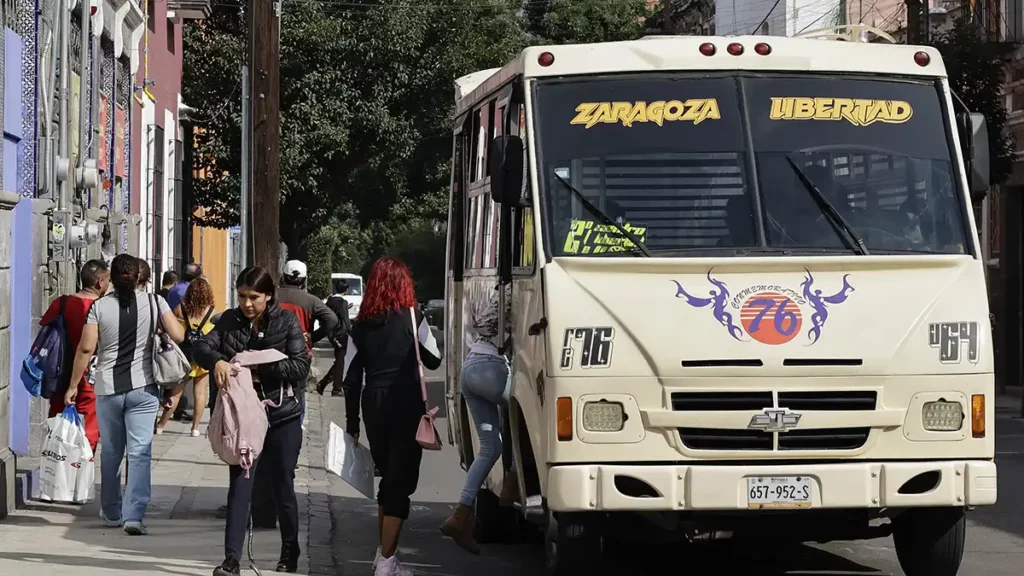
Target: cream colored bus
[(747, 292)]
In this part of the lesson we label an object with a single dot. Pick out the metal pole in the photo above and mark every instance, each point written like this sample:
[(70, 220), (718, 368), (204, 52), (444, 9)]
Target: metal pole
[(83, 103), (246, 202), (64, 111)]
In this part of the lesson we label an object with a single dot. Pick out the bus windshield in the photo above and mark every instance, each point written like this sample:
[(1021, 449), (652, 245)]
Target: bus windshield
[(822, 165)]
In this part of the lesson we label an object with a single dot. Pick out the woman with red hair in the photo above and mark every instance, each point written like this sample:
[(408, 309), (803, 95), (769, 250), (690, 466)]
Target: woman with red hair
[(382, 350)]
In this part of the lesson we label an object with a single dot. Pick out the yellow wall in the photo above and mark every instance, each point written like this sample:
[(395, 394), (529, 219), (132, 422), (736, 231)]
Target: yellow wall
[(210, 250)]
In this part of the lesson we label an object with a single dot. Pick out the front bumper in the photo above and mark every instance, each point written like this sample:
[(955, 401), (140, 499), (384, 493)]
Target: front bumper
[(583, 488)]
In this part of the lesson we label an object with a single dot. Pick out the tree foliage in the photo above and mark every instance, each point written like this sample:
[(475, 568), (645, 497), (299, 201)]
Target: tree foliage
[(976, 73), (367, 92), (584, 21)]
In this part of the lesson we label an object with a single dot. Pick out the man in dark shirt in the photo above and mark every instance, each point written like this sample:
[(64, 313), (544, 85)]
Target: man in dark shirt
[(169, 280), (339, 341), (177, 293)]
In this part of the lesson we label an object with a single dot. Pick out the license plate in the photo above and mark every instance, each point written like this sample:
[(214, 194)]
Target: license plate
[(778, 492)]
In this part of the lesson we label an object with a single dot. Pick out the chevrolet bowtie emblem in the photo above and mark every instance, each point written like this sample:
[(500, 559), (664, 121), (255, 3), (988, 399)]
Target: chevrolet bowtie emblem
[(774, 420)]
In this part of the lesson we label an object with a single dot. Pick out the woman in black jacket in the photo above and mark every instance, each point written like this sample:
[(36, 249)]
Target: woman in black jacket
[(260, 324), (381, 349)]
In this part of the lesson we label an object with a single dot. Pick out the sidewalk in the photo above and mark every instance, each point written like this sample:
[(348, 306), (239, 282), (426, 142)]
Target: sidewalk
[(185, 537)]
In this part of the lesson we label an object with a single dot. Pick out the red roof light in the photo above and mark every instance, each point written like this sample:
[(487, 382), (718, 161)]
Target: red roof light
[(762, 48), (708, 49), (546, 59), (922, 58), (735, 49)]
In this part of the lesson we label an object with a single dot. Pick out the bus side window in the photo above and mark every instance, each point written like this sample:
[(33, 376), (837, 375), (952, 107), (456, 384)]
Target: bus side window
[(457, 218)]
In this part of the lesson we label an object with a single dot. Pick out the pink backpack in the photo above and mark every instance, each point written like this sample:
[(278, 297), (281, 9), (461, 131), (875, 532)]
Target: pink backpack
[(239, 422)]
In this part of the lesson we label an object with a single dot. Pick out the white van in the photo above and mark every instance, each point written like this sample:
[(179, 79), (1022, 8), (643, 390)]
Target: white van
[(354, 295)]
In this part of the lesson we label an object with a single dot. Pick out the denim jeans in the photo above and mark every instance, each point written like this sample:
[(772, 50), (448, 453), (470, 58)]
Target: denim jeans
[(126, 421), (486, 384)]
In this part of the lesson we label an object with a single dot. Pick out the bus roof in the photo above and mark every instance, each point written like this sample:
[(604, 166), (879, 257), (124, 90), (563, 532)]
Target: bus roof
[(682, 53)]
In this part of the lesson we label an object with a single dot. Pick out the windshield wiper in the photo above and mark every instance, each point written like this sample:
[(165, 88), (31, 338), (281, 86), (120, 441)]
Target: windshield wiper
[(604, 217), (834, 217)]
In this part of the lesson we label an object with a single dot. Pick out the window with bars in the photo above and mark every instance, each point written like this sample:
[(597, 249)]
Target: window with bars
[(178, 226), (157, 213)]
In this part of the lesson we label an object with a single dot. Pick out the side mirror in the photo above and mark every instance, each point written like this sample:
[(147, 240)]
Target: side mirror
[(506, 169), (979, 169)]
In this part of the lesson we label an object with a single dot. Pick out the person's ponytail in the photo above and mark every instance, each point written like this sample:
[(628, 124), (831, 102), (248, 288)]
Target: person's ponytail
[(124, 275)]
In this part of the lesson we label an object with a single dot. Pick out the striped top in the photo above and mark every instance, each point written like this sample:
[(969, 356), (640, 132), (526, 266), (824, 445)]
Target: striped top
[(125, 348), (485, 324)]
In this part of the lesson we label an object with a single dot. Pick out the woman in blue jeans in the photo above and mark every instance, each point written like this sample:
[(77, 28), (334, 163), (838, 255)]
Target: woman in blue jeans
[(486, 386), (119, 330)]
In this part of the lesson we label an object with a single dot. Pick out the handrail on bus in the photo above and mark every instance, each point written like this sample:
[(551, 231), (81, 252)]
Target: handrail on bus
[(847, 33)]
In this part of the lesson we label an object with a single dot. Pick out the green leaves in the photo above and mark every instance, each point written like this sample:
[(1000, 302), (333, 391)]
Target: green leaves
[(976, 72), (367, 93)]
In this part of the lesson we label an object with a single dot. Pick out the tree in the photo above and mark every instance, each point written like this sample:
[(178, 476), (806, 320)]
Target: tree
[(976, 73), (584, 21), (366, 94)]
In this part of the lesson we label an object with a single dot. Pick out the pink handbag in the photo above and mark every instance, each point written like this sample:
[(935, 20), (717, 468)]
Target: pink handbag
[(426, 433)]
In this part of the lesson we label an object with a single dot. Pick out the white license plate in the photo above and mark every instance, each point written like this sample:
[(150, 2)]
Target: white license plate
[(778, 492)]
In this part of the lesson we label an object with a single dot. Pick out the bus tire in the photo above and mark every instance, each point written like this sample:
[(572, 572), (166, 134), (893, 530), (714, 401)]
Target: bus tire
[(930, 541), (573, 544), (490, 520)]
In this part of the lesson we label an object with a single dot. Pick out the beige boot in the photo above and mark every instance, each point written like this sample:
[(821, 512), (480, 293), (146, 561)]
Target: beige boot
[(459, 527)]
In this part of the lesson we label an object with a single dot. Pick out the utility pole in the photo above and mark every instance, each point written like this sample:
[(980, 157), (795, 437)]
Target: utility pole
[(916, 19), (245, 206), (264, 69)]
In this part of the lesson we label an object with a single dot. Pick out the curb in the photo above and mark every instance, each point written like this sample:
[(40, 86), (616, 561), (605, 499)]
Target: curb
[(26, 486)]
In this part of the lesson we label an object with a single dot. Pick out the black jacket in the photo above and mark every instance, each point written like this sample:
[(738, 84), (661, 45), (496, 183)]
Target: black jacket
[(340, 307), (234, 333), (381, 349)]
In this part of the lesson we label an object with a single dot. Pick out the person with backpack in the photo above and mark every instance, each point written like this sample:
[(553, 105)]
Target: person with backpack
[(196, 309), (120, 330), (339, 340), (260, 323), (383, 349), (306, 307), (94, 278)]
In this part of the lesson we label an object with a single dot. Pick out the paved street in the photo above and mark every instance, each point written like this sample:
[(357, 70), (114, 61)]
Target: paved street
[(339, 525)]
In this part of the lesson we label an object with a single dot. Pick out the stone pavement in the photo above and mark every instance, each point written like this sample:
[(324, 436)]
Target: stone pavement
[(186, 538)]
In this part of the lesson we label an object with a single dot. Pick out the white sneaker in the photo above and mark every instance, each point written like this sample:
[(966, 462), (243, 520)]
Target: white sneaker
[(391, 567), (196, 434), (159, 431), (376, 558), (135, 528), (117, 523)]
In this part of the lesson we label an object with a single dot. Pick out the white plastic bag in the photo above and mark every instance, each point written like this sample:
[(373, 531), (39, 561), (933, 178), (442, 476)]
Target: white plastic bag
[(85, 480), (350, 460), (61, 456)]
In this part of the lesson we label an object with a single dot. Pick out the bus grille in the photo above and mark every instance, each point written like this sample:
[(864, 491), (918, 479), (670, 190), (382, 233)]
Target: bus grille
[(722, 439)]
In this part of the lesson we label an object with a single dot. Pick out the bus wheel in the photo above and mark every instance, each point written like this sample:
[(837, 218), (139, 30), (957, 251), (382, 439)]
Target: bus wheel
[(930, 541), (490, 518), (573, 544)]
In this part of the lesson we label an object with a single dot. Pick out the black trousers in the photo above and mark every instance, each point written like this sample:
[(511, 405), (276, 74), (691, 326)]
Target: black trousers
[(391, 432), (334, 375), (277, 463)]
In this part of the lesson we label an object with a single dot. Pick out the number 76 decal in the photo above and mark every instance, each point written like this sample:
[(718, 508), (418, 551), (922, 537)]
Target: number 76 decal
[(592, 345)]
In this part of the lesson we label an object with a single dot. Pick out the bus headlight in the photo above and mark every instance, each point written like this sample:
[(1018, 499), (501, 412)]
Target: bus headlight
[(603, 416), (942, 416)]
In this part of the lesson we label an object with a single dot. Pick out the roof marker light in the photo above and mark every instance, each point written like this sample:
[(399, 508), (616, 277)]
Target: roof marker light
[(546, 59), (735, 48), (922, 58), (708, 49), (762, 48)]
